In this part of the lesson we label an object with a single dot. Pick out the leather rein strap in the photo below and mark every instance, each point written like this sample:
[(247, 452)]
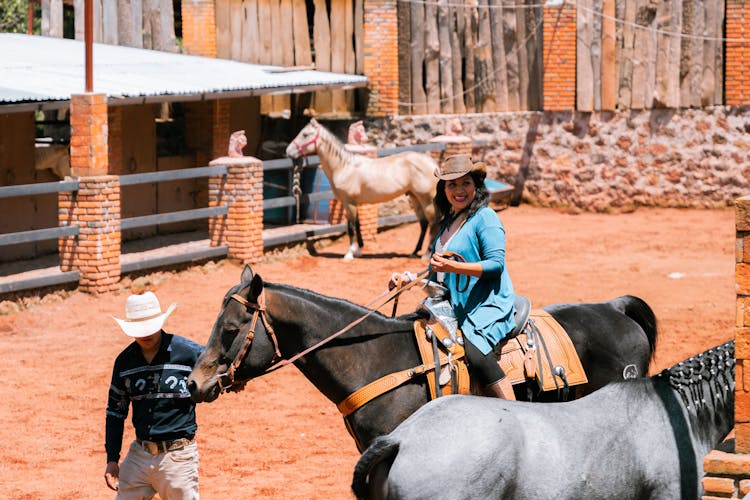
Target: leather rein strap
[(226, 380)]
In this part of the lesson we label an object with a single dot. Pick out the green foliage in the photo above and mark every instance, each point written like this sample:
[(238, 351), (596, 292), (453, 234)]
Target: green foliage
[(14, 16)]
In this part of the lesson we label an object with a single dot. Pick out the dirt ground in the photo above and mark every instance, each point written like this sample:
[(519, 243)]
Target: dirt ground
[(280, 438)]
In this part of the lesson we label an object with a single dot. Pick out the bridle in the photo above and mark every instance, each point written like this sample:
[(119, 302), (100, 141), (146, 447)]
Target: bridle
[(226, 380), (314, 140)]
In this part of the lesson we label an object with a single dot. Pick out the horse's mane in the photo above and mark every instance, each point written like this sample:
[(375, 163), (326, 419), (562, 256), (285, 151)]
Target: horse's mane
[(337, 147), (711, 371)]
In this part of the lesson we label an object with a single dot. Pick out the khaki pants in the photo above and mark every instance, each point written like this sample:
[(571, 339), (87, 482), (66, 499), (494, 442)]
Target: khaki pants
[(174, 474)]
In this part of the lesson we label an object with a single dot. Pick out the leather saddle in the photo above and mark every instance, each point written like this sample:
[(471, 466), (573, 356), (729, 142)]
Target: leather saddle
[(537, 349)]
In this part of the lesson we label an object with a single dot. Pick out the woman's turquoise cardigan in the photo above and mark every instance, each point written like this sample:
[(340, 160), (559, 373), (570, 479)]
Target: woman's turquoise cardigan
[(485, 309)]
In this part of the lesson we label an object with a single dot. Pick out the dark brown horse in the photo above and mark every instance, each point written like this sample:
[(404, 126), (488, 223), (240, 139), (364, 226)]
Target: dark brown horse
[(261, 324)]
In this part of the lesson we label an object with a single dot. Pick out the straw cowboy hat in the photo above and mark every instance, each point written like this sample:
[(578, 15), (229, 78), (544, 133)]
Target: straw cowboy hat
[(457, 166), (143, 316)]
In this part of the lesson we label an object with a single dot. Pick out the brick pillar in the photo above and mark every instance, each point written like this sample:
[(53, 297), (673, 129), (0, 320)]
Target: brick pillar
[(199, 27), (95, 252), (220, 129), (727, 475), (242, 190), (737, 71), (95, 207), (559, 59), (381, 56), (88, 139), (114, 140), (454, 145)]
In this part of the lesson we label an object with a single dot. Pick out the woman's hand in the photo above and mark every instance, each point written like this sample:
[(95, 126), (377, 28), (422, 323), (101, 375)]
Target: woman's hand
[(442, 264)]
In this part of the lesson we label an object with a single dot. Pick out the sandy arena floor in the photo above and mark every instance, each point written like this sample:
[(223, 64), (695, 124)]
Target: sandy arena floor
[(280, 438)]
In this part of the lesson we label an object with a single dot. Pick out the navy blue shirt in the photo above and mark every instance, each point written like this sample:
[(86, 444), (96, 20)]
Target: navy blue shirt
[(162, 408)]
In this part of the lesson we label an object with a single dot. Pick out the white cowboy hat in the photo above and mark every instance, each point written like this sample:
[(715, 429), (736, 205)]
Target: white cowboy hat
[(457, 166), (143, 316)]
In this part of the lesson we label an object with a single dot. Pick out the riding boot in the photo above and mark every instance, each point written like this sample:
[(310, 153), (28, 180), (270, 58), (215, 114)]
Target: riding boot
[(502, 389)]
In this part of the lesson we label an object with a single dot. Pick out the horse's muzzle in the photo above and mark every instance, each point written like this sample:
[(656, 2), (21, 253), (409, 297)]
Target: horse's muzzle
[(205, 394)]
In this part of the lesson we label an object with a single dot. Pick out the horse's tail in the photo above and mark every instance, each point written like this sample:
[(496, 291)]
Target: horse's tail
[(380, 449), (640, 312)]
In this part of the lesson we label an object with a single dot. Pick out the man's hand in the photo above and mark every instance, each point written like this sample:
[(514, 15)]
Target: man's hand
[(112, 475)]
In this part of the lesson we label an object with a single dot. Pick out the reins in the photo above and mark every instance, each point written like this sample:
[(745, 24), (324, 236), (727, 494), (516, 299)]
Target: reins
[(385, 296), (226, 380)]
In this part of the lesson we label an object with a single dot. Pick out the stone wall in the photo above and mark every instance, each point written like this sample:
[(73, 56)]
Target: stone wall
[(608, 161)]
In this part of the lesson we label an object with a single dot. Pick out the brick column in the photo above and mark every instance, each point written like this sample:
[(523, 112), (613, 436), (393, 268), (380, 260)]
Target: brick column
[(737, 71), (199, 27), (114, 140), (559, 58), (95, 252), (95, 207), (88, 139), (220, 129), (242, 190), (727, 475), (381, 56)]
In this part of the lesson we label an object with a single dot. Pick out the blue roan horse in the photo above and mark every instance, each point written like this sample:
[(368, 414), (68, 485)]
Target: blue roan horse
[(611, 338), (636, 439)]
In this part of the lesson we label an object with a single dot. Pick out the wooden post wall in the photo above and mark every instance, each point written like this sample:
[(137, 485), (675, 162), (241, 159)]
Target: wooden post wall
[(737, 53), (559, 58)]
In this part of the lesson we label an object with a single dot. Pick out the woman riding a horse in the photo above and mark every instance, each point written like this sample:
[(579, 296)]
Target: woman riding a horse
[(469, 258)]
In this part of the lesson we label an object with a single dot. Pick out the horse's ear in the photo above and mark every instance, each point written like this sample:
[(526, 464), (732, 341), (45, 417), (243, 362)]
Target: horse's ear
[(256, 286), (247, 274)]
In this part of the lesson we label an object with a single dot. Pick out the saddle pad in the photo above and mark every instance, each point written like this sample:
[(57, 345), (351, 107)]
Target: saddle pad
[(559, 347), (459, 361)]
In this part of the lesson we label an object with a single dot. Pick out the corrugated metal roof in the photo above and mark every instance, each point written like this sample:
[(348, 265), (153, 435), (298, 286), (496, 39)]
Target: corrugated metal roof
[(38, 71)]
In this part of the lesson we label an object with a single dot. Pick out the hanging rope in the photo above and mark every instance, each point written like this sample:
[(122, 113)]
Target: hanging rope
[(296, 184)]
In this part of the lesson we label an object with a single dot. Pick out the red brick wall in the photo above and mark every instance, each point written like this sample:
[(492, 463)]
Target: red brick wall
[(89, 131), (381, 56), (242, 189), (95, 252), (220, 131), (742, 333), (199, 28), (559, 57), (114, 141), (728, 474), (737, 72)]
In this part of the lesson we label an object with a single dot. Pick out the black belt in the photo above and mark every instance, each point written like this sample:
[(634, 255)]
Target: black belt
[(156, 447)]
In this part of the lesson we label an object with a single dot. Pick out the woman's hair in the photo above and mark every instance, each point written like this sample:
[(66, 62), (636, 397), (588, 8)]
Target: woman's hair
[(481, 199)]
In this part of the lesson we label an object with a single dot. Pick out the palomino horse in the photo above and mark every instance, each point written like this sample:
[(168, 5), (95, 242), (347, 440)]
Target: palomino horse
[(636, 439), (261, 324), (357, 179)]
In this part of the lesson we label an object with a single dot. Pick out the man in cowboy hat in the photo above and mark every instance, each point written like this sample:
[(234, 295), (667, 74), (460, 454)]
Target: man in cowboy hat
[(151, 373)]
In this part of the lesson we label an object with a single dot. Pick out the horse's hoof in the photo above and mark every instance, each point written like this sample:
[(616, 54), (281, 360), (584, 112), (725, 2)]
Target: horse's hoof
[(348, 257)]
